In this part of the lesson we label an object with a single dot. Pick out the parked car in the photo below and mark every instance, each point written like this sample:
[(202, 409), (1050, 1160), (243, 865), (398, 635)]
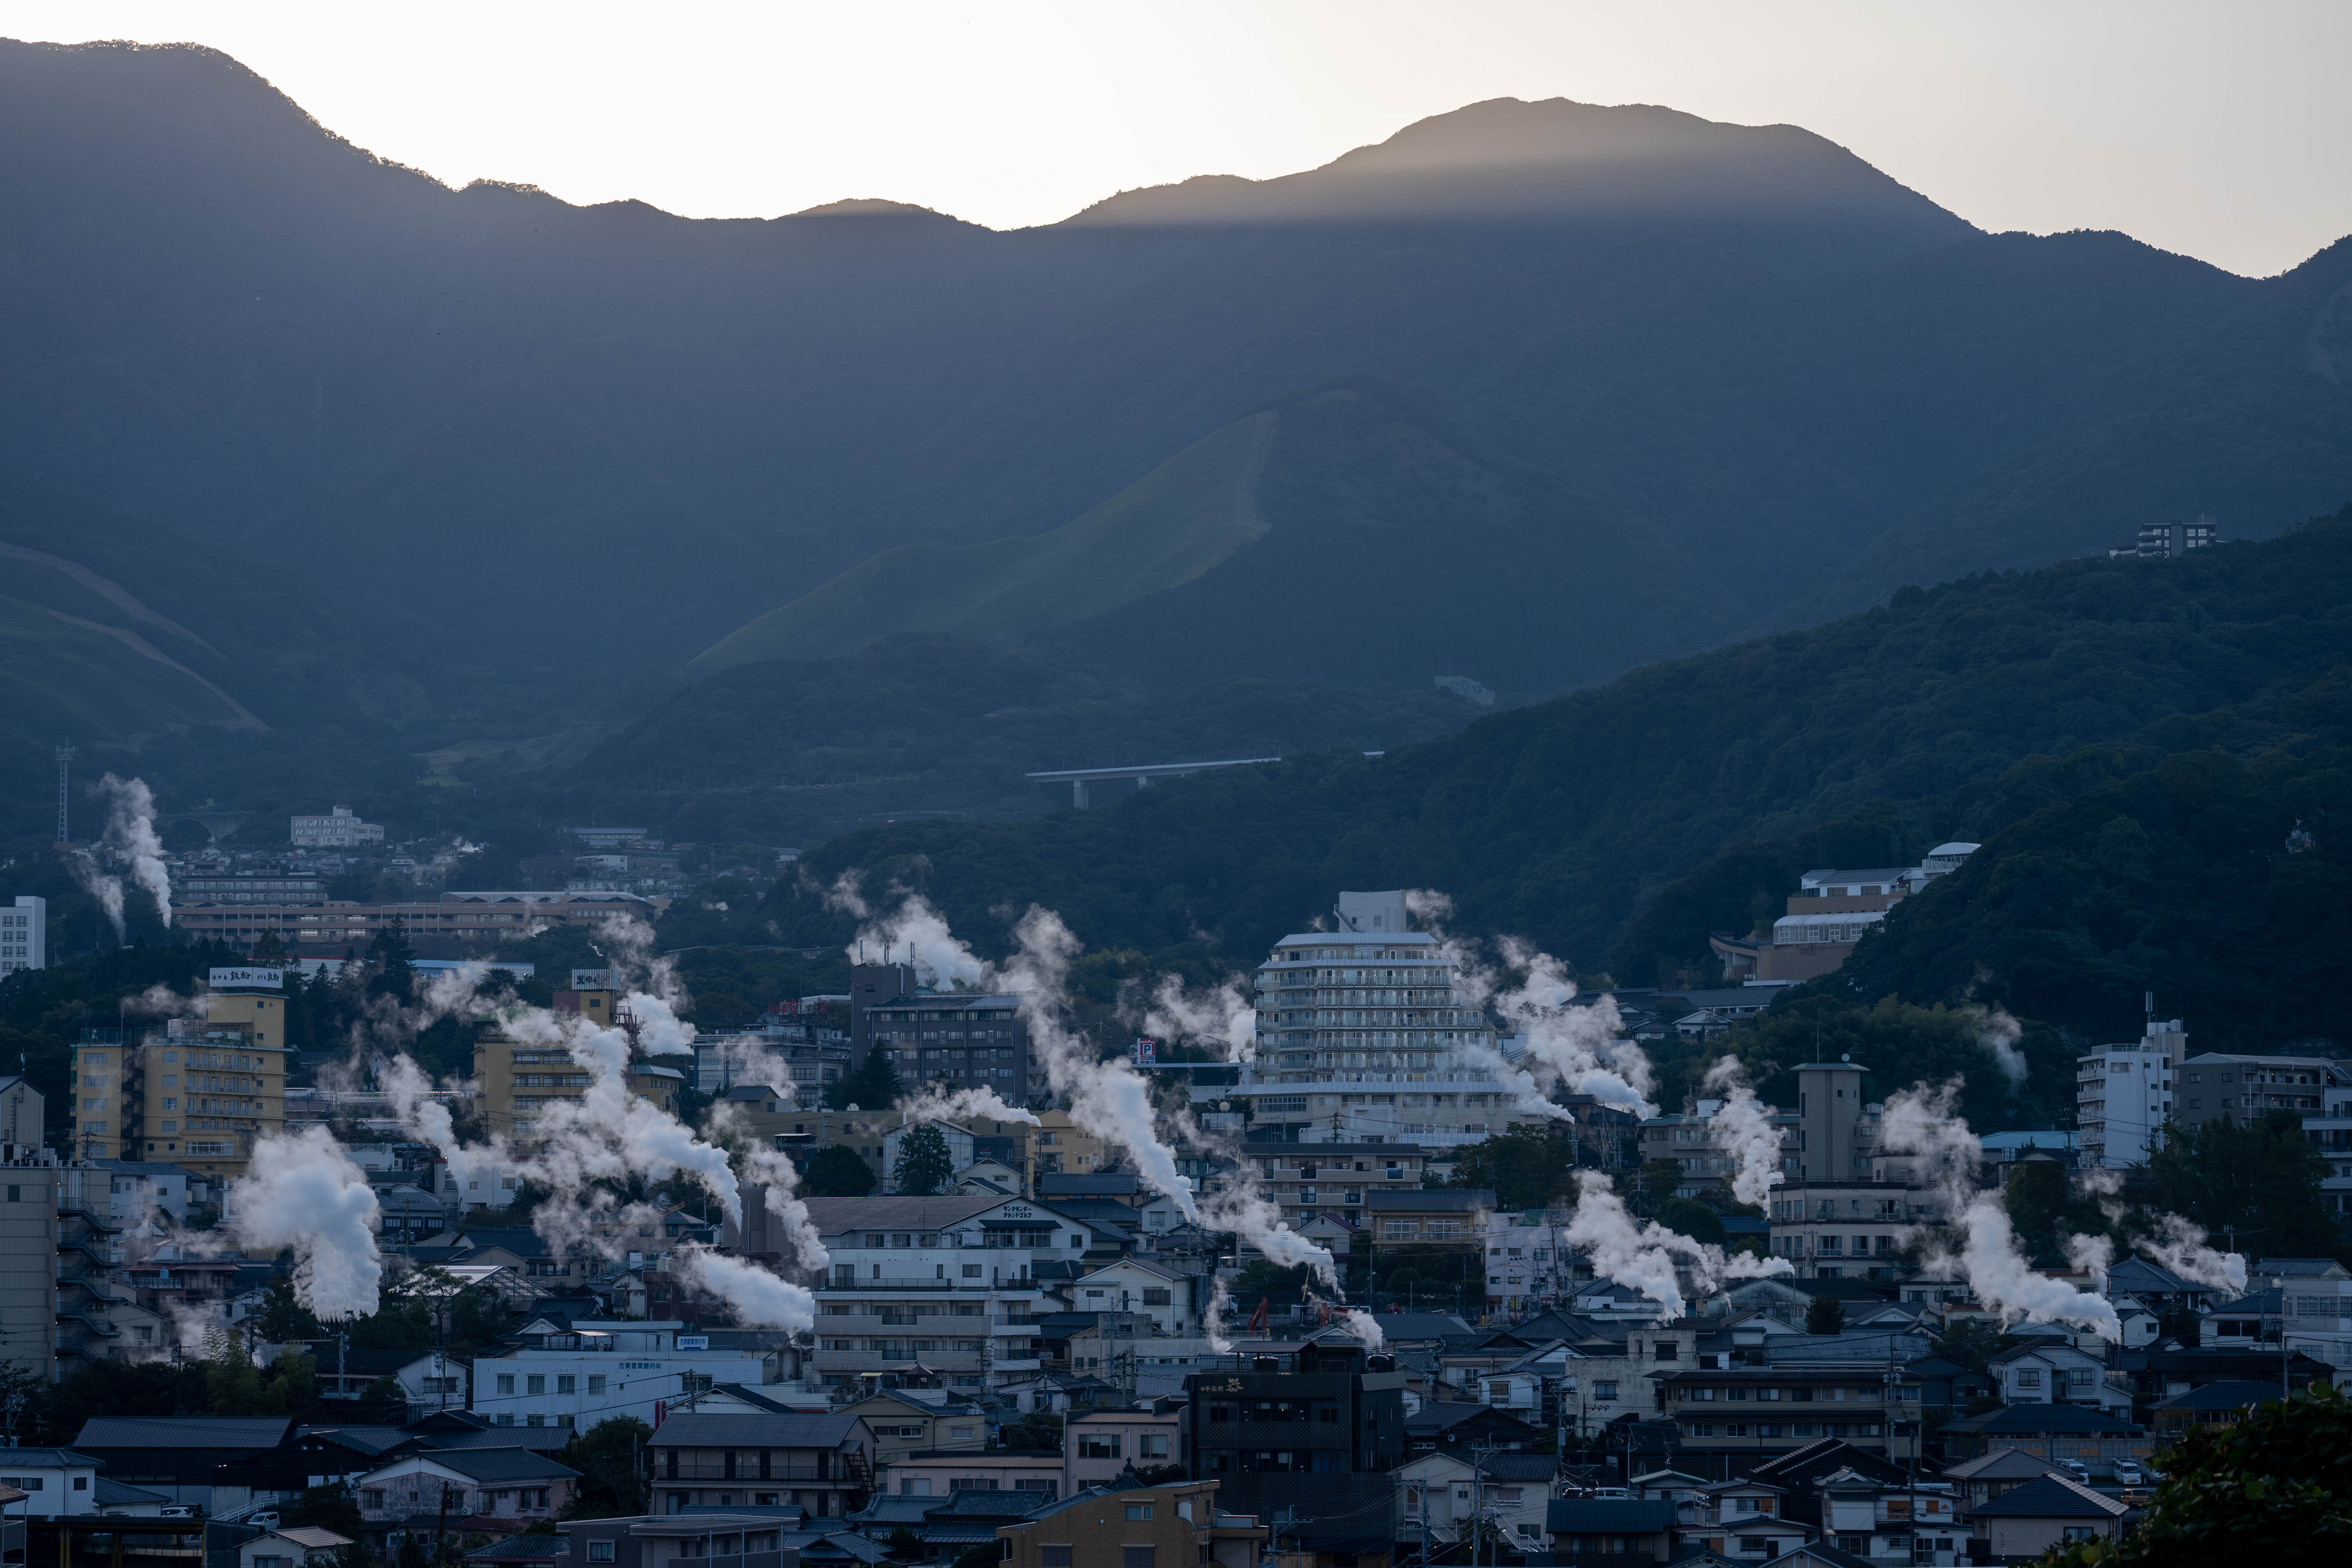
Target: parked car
[(266, 1519), (2128, 1474), (2077, 1469), (180, 1510)]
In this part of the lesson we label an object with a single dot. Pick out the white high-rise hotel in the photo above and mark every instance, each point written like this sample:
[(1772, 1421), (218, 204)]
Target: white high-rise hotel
[(1362, 1031)]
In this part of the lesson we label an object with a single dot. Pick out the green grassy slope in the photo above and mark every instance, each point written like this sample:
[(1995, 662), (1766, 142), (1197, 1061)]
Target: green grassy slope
[(1559, 821), (1174, 523), (64, 679)]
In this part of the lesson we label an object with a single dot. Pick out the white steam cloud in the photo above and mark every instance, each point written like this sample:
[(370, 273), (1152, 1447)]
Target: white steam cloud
[(130, 835), (1108, 1099), (1998, 1033), (2181, 1247), (1741, 1128), (301, 1191), (1212, 1322), (611, 1134), (1921, 1121), (103, 886), (1649, 1257), (1221, 1013)]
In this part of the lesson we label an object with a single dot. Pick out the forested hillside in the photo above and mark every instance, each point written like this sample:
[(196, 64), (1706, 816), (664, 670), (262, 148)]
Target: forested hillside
[(1636, 382), (803, 749), (1560, 821)]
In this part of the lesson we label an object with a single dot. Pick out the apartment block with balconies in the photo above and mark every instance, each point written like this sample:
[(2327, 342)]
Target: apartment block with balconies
[(947, 1289), (1844, 1230), (823, 1465)]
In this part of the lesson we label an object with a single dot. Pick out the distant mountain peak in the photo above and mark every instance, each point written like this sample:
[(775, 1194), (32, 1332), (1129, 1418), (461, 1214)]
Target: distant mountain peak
[(1553, 158), (867, 206)]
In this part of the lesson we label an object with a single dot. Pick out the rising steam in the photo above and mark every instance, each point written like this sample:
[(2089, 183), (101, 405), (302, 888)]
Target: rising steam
[(1998, 1033), (1647, 1258), (1742, 1129), (2181, 1248), (1921, 1121), (1222, 1014), (301, 1191), (130, 835)]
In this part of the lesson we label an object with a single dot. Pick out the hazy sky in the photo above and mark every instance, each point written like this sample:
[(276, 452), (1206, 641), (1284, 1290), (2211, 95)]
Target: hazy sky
[(2221, 131)]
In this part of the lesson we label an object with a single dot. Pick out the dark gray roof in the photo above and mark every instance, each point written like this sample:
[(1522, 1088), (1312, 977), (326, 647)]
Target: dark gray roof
[(1431, 1200), (2000, 1465), (115, 1494), (492, 1464), (2020, 1420), (183, 1432), (2229, 1394), (2051, 1497), (47, 1458), (1608, 1516), (1521, 1466), (1441, 1414), (789, 1431), (1111, 1185)]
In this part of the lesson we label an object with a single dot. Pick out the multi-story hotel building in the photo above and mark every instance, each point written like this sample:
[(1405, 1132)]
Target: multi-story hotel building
[(1363, 1033)]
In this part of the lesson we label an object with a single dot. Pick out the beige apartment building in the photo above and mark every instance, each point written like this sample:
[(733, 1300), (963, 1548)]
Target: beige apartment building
[(517, 1081), (200, 1094), (467, 919)]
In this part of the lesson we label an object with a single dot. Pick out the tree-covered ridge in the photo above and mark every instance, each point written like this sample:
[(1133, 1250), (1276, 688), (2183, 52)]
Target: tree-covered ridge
[(2222, 885), (1558, 822)]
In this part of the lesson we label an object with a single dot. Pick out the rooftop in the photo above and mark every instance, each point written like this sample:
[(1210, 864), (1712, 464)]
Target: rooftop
[(2051, 1497)]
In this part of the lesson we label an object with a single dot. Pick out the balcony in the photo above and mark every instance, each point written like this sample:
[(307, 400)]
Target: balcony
[(885, 1360), (719, 1471)]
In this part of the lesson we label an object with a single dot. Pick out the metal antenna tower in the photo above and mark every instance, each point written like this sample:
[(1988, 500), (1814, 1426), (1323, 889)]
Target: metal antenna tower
[(64, 765)]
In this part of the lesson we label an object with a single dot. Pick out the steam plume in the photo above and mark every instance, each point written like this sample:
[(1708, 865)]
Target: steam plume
[(1223, 1015), (103, 886), (1644, 1257), (760, 1299), (301, 1191), (131, 833), (1921, 1121), (2182, 1250), (1108, 1099), (1212, 1322), (1741, 1128), (1998, 1033)]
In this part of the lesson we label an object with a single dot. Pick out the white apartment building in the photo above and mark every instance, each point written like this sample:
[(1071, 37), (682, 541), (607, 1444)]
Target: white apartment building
[(1362, 1032), (2123, 1096), (339, 830), (24, 935), (950, 1283), (602, 1368)]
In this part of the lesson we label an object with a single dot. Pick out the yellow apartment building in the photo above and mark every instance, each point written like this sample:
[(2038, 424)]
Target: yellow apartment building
[(517, 1081), (201, 1094)]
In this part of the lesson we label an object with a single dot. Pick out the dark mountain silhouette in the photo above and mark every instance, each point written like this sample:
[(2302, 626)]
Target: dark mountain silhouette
[(1559, 389)]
